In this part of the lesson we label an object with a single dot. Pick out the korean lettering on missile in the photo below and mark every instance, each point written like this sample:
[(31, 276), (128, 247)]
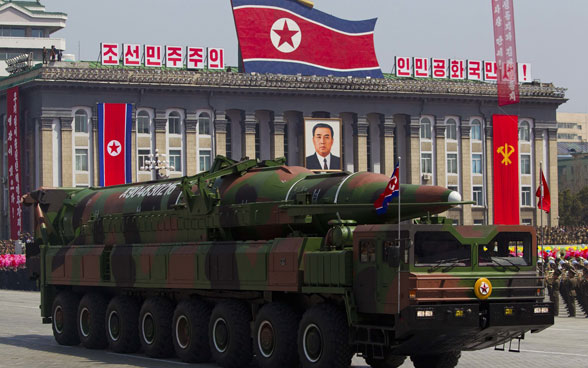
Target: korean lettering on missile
[(13, 147)]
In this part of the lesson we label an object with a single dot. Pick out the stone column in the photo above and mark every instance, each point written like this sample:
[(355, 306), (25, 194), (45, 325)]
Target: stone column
[(440, 159), (413, 162), (67, 161), (466, 172), (387, 145), (553, 185), (220, 129), (192, 146), (47, 157), (278, 127), (360, 130), (249, 127), (489, 166)]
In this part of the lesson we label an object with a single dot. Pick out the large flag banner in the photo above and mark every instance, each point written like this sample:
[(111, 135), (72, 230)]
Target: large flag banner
[(392, 190), (13, 151), (543, 195), (286, 37), (506, 169), (505, 49), (114, 143)]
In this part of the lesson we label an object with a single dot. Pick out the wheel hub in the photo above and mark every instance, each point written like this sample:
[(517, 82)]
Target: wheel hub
[(220, 335), (58, 319), (85, 322), (313, 344), (148, 328), (114, 326), (265, 339), (183, 332)]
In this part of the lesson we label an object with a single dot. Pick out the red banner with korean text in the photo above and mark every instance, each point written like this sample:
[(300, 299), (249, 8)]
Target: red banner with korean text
[(506, 52), (13, 150), (506, 169)]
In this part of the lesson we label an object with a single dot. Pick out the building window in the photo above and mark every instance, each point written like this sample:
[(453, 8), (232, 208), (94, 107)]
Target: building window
[(143, 157), (81, 159), (13, 32), (476, 164), (175, 160), (37, 32), (451, 130), (204, 124), (477, 196), (526, 196), (524, 132), (286, 148), (205, 160), (476, 133), (174, 122), (426, 163), (478, 222), (81, 121), (453, 188), (527, 222), (257, 141), (452, 163), (229, 140), (425, 128), (526, 164), (143, 123)]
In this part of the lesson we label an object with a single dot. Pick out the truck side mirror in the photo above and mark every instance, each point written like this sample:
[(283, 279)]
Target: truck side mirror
[(393, 255)]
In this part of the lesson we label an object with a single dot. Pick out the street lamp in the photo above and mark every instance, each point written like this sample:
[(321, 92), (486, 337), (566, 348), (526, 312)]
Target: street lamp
[(158, 166)]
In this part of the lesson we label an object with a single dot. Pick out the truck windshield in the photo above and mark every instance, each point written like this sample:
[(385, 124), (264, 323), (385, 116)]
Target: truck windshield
[(440, 249), (507, 250)]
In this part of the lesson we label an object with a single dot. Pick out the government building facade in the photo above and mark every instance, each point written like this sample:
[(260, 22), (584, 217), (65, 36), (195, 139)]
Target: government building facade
[(442, 129)]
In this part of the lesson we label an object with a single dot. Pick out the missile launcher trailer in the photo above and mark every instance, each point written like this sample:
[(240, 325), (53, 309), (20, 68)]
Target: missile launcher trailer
[(274, 263)]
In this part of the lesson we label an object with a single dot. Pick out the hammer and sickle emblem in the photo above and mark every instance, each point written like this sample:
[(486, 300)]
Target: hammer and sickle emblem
[(506, 151)]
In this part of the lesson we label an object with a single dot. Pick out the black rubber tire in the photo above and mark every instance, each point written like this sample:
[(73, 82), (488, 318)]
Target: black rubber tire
[(443, 360), (122, 325), (389, 361), (90, 321), (328, 323), (64, 321), (234, 349), (281, 320), (190, 331), (155, 327)]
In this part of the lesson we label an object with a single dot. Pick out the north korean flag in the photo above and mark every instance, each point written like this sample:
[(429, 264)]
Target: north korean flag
[(114, 143), (286, 37), (392, 190)]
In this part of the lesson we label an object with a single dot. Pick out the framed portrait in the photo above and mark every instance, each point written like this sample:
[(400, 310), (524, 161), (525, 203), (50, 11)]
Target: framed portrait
[(322, 144)]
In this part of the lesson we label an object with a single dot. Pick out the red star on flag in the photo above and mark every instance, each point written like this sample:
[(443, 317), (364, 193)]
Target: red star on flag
[(285, 35), (114, 148)]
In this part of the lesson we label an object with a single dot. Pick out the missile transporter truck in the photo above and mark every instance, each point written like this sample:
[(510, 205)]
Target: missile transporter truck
[(258, 260)]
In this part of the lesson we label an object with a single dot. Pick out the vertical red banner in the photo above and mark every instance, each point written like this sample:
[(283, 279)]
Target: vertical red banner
[(506, 52), (13, 149), (506, 169)]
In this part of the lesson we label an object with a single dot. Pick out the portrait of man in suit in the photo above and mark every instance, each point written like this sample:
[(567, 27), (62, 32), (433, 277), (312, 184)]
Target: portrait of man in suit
[(322, 155)]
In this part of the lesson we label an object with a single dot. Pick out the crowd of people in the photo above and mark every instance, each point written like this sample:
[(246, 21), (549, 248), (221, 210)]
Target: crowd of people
[(562, 235), (6, 247)]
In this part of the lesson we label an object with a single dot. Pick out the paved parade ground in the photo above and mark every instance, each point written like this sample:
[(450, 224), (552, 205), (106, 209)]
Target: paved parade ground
[(26, 342)]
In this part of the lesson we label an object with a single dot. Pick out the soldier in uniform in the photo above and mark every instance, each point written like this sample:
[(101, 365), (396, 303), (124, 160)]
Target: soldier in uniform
[(566, 287), (552, 278)]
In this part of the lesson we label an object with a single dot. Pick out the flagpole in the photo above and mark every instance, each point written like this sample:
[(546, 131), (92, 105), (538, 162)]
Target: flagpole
[(399, 158), (541, 202)]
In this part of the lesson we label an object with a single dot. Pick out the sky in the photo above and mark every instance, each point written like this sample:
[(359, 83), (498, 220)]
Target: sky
[(551, 35)]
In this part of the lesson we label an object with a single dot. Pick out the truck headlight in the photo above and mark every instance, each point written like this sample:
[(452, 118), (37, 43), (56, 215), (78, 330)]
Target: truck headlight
[(541, 310), (424, 313)]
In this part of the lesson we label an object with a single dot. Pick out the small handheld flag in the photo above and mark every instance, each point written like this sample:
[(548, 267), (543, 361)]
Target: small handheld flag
[(392, 190), (543, 195)]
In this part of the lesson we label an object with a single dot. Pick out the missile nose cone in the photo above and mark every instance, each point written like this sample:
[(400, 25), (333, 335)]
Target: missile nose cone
[(454, 197)]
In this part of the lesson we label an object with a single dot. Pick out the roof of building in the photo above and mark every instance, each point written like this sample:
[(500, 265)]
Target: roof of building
[(33, 6), (569, 148), (94, 73)]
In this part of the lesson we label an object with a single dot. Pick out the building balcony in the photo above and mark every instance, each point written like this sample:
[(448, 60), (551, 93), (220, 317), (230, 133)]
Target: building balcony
[(27, 43)]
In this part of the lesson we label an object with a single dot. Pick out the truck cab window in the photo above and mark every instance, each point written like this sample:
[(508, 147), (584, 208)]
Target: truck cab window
[(506, 249), (435, 248), (367, 251)]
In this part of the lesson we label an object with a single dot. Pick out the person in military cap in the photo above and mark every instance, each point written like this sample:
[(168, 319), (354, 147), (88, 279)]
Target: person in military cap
[(566, 287), (552, 277)]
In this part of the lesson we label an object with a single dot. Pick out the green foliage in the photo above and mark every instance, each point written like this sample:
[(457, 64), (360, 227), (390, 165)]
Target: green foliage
[(573, 207)]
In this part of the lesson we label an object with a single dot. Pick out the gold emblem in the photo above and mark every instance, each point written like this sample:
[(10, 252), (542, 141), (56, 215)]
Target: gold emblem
[(506, 151), (483, 288)]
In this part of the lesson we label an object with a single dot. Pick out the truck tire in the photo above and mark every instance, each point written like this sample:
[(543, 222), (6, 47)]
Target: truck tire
[(91, 317), (190, 331), (63, 312), (323, 338), (155, 327), (229, 334), (122, 325), (389, 361), (274, 342), (443, 360)]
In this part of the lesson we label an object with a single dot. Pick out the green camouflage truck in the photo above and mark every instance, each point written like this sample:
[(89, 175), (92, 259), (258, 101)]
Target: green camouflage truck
[(258, 260)]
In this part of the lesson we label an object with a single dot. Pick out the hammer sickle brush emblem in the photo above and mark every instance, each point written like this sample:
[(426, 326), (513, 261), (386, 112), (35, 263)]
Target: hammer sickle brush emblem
[(506, 151)]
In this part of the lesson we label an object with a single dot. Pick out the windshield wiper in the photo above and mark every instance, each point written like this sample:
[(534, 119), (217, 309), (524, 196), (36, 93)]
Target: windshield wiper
[(457, 262), (495, 260), (441, 262)]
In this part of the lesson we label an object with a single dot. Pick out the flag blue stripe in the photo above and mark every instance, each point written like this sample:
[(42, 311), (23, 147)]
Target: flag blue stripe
[(101, 144), (284, 67), (318, 16)]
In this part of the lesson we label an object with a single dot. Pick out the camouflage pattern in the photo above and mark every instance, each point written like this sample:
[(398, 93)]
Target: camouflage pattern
[(254, 230)]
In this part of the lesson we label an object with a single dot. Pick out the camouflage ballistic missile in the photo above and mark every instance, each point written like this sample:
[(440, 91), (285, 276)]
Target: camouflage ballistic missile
[(243, 200)]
